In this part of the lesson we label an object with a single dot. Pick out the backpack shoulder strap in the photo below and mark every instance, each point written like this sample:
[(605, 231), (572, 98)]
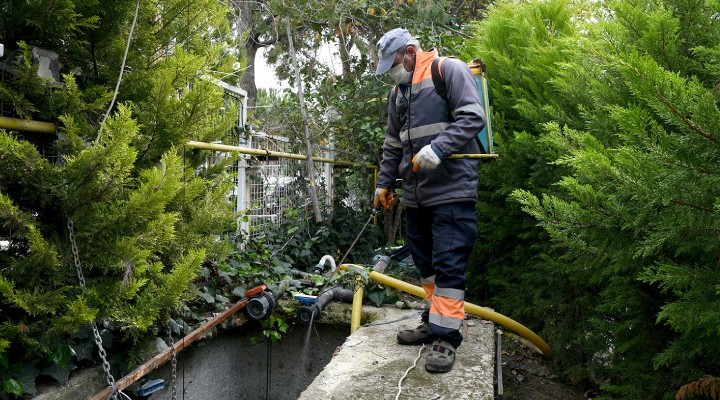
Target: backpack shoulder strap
[(437, 79)]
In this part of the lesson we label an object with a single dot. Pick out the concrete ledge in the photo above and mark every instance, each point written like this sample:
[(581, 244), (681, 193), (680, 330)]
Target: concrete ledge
[(82, 384), (370, 363)]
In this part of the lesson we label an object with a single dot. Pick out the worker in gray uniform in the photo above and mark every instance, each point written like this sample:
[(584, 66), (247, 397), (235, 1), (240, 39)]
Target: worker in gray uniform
[(440, 194)]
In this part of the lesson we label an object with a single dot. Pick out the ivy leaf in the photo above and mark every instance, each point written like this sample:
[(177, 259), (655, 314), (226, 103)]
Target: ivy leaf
[(26, 377), (84, 332), (376, 297), (83, 350), (62, 355), (60, 373), (239, 291), (174, 327), (12, 386), (107, 338), (207, 297)]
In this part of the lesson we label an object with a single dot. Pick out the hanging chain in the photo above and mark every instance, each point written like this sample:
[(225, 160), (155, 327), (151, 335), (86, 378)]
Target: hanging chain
[(173, 362), (78, 267), (96, 333)]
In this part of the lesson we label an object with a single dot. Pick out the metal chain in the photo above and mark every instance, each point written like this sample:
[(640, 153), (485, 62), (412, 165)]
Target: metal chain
[(173, 362), (78, 267), (98, 340)]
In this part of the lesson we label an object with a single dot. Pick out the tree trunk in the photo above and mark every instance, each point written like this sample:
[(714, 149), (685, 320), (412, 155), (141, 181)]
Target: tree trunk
[(248, 77), (245, 21), (308, 142)]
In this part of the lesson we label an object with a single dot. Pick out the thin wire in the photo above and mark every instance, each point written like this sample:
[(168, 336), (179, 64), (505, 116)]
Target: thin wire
[(411, 316), (183, 372), (122, 68), (269, 369), (408, 370)]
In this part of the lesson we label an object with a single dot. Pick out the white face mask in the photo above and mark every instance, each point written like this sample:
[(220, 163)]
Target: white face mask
[(399, 75)]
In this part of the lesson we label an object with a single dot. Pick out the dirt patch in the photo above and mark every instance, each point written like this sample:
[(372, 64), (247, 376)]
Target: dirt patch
[(529, 376)]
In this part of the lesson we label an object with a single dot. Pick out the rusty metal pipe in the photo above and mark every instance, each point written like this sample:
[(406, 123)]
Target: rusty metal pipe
[(156, 361)]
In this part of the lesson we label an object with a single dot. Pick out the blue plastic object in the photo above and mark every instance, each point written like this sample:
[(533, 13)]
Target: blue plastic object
[(151, 386), (305, 299)]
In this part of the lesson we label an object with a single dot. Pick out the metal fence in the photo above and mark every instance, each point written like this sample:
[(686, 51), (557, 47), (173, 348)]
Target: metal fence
[(270, 186)]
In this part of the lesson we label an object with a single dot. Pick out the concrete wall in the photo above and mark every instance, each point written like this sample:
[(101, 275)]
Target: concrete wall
[(229, 366)]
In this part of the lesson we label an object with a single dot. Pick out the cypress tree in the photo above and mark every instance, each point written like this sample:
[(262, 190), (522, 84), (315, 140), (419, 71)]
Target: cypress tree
[(626, 285), (146, 213)]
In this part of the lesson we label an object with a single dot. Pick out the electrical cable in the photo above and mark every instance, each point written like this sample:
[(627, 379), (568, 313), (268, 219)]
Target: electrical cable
[(407, 371), (122, 68)]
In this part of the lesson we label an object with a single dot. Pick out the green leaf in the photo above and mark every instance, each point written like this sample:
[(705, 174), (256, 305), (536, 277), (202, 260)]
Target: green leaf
[(27, 376), (207, 297), (84, 349), (376, 297), (4, 362), (12, 386), (174, 327), (107, 338), (61, 373), (62, 355)]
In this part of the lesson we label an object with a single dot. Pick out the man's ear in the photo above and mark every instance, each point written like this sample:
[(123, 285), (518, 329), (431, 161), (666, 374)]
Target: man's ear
[(409, 58)]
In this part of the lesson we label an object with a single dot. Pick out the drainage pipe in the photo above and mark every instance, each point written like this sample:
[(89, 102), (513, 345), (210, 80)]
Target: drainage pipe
[(26, 125), (156, 361), (310, 312), (469, 307)]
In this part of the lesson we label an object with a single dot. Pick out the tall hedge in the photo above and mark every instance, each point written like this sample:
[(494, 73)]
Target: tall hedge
[(601, 215), (145, 212)]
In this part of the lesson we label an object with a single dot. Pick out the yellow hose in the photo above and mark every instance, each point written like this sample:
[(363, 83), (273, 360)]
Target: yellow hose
[(356, 311), (469, 307)]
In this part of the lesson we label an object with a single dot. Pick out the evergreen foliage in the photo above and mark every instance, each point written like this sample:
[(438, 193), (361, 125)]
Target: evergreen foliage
[(607, 117), (146, 212)]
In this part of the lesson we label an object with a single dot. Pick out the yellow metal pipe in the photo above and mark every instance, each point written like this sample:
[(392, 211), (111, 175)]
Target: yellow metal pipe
[(26, 125), (455, 156), (268, 153), (469, 307)]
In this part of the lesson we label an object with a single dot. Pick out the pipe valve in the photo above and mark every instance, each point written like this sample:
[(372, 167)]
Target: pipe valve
[(261, 302)]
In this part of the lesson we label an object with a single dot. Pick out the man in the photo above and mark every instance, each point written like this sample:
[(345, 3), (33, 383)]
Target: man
[(439, 193)]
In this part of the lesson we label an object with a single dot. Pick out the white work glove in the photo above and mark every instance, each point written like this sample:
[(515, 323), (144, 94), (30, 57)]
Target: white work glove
[(384, 197), (425, 158)]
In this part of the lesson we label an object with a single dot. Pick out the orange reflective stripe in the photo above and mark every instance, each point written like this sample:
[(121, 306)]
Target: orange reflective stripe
[(440, 62), (429, 289), (448, 307)]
